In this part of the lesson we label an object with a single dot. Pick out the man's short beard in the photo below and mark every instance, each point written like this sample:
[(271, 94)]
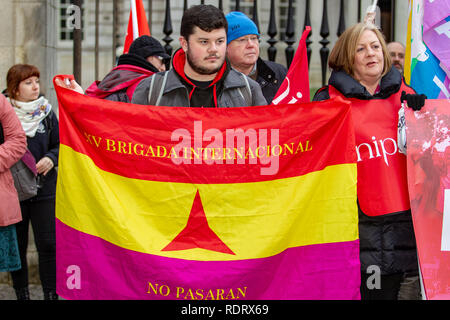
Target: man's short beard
[(200, 69), (398, 66)]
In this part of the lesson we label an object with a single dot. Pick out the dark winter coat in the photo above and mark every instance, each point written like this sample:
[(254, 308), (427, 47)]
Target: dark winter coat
[(225, 91), (386, 241), (270, 76), (119, 84), (45, 143)]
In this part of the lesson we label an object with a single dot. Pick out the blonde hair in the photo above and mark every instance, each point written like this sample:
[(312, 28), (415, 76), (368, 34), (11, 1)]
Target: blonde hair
[(342, 56)]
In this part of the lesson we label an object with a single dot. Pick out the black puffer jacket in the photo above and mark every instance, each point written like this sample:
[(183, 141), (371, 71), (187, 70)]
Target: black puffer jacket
[(386, 241), (270, 76)]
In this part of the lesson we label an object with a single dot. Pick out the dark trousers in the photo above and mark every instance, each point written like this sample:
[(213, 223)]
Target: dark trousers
[(42, 216)]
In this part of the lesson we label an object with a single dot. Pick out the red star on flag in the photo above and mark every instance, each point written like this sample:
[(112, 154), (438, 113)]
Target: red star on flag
[(197, 233)]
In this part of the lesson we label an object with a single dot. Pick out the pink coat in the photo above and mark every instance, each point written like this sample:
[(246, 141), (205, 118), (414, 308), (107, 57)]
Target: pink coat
[(10, 152)]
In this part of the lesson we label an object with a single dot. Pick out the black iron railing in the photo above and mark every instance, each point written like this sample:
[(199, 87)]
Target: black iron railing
[(287, 35)]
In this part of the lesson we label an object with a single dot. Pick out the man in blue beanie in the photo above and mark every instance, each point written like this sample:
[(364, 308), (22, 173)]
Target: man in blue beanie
[(243, 54)]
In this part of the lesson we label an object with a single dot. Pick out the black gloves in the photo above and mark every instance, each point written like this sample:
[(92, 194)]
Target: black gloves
[(415, 101)]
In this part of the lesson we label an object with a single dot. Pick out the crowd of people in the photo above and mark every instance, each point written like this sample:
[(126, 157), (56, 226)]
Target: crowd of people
[(217, 65)]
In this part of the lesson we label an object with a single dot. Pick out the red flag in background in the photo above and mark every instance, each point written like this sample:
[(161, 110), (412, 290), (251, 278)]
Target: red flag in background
[(295, 87), (137, 24)]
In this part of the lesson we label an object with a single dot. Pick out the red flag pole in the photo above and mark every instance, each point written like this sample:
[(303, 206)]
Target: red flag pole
[(137, 24), (295, 87)]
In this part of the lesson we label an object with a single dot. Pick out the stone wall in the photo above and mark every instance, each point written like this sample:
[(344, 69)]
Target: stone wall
[(28, 36)]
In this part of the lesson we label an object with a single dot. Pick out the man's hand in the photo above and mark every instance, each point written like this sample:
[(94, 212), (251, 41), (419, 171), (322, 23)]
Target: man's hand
[(69, 84), (370, 18), (371, 13)]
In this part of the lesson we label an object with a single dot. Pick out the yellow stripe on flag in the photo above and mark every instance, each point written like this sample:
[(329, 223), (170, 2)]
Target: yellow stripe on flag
[(254, 220), (407, 67)]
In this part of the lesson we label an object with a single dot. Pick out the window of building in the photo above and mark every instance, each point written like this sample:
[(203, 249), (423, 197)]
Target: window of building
[(387, 9)]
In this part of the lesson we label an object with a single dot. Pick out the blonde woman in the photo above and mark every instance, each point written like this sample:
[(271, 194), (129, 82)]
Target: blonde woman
[(362, 72)]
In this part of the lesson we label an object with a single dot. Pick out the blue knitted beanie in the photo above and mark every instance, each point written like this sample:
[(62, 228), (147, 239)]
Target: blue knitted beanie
[(239, 25)]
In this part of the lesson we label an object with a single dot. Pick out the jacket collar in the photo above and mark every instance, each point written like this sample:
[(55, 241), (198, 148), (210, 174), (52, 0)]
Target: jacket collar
[(179, 60), (178, 63), (264, 71), (349, 87), (135, 60), (177, 72)]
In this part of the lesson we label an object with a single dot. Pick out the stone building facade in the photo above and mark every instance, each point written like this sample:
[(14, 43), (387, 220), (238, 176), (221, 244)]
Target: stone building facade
[(38, 32)]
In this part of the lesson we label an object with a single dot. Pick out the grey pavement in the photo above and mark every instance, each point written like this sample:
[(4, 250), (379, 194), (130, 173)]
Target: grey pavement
[(7, 292), (6, 289)]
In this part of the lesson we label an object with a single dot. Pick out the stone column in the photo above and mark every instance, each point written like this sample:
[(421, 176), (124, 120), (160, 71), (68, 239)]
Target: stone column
[(29, 36)]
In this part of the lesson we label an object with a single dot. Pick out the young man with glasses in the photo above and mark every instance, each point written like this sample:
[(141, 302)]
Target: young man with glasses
[(243, 54)]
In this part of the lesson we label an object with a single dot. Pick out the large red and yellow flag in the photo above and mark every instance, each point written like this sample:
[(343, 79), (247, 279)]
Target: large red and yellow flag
[(295, 87), (202, 204)]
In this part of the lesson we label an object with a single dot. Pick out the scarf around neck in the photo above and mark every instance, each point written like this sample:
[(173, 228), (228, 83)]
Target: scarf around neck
[(31, 113)]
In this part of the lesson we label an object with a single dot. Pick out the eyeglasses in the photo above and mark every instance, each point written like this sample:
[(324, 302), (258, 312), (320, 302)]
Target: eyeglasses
[(162, 59), (252, 39)]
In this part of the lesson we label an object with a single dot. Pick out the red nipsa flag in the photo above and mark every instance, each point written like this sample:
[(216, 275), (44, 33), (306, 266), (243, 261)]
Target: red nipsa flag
[(295, 87)]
